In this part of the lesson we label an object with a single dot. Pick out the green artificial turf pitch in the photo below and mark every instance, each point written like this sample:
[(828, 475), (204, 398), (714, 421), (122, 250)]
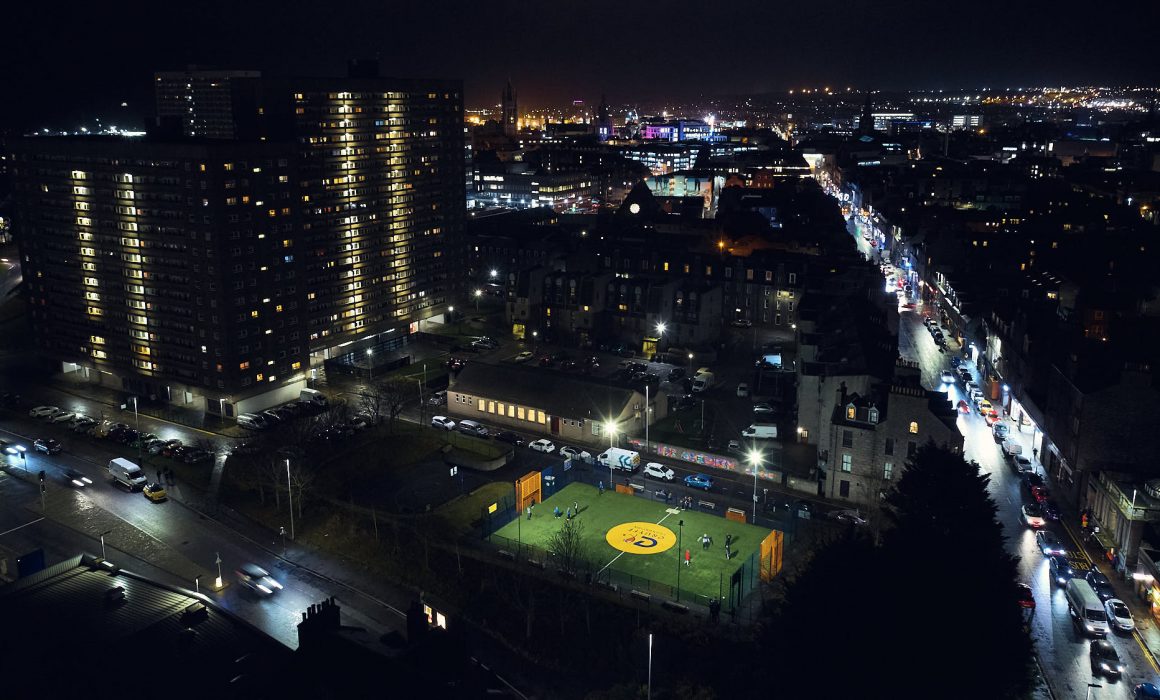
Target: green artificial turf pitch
[(709, 571)]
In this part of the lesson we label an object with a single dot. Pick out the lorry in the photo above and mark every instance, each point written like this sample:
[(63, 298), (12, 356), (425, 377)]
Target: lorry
[(703, 381), (313, 396), (760, 431), (125, 472), (616, 458)]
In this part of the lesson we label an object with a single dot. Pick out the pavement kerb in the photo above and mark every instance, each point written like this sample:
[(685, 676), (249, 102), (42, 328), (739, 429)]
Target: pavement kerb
[(87, 397), (299, 565), (1140, 638)]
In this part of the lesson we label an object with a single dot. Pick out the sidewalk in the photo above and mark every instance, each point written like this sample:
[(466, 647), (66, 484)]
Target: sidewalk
[(1147, 631)]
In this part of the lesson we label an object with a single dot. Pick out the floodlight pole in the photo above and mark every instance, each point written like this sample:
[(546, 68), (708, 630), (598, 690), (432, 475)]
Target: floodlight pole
[(680, 547)]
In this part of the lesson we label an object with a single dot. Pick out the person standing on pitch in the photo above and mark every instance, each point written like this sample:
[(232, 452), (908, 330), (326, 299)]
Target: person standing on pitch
[(688, 557)]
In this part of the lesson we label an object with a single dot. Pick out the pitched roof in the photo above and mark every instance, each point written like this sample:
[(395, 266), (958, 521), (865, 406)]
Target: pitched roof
[(556, 393)]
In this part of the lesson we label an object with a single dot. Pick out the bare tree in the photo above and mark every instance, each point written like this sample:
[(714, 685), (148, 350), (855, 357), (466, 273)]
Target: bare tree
[(568, 548), (302, 479), (385, 399)]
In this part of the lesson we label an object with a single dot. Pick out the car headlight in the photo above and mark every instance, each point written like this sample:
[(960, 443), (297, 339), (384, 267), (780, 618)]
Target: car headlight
[(264, 589)]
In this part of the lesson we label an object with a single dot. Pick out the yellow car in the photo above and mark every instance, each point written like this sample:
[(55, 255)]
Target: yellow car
[(154, 492), (985, 407)]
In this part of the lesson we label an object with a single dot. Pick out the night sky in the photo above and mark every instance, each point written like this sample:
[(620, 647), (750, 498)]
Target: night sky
[(66, 60)]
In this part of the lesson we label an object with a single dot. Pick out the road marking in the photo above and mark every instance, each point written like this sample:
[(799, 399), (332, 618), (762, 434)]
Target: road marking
[(20, 526)]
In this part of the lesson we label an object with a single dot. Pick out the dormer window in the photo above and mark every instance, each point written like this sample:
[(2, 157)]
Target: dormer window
[(851, 412), (874, 415)]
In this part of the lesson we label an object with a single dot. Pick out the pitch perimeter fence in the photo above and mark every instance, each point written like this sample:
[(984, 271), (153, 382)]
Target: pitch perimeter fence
[(732, 590)]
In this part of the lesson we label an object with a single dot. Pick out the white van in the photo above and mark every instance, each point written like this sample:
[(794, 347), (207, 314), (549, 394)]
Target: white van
[(759, 431), (1086, 610), (470, 427), (616, 458), (125, 472)]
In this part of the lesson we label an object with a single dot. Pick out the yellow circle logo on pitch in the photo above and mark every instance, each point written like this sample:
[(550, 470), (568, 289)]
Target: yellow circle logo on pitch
[(641, 538)]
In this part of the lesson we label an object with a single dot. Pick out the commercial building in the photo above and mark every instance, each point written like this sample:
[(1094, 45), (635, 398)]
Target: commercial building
[(221, 274)]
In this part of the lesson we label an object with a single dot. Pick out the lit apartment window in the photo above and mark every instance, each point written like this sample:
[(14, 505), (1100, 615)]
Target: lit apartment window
[(847, 463), (888, 471), (914, 427)]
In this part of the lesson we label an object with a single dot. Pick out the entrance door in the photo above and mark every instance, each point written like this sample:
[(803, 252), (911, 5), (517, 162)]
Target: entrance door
[(555, 423)]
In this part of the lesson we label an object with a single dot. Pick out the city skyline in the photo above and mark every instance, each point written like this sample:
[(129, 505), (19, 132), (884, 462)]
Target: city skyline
[(765, 49)]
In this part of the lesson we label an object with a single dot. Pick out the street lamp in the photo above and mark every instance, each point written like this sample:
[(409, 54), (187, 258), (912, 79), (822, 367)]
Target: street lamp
[(477, 294), (535, 334), (610, 427), (661, 328), (680, 549), (690, 363), (103, 542), (370, 363), (137, 417), (218, 560), (755, 459), (290, 494), (494, 273)]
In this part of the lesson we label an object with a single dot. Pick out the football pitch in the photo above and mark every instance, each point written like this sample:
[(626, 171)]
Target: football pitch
[(708, 572)]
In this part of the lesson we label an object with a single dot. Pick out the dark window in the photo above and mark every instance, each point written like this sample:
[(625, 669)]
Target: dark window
[(911, 448), (889, 446), (847, 438), (844, 489)]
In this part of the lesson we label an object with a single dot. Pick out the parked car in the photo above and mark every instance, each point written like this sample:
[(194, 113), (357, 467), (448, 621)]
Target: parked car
[(1050, 510), (1022, 464), (1119, 616), (964, 407), (576, 455), (658, 471), (510, 438), (47, 446), (1104, 659), (1049, 544), (762, 409), (852, 517), (699, 481), (523, 356), (43, 411), (1061, 569), (1032, 516), (947, 376), (743, 323), (1026, 598), (81, 423), (242, 448), (195, 456), (442, 422), (154, 447), (63, 417), (1000, 431), (439, 398), (257, 579), (676, 374), (543, 445), (1100, 584)]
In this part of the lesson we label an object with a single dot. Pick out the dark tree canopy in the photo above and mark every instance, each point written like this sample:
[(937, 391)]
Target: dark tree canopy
[(930, 613)]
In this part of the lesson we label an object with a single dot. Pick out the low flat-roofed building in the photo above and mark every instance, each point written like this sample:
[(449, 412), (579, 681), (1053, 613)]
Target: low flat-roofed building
[(549, 403)]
